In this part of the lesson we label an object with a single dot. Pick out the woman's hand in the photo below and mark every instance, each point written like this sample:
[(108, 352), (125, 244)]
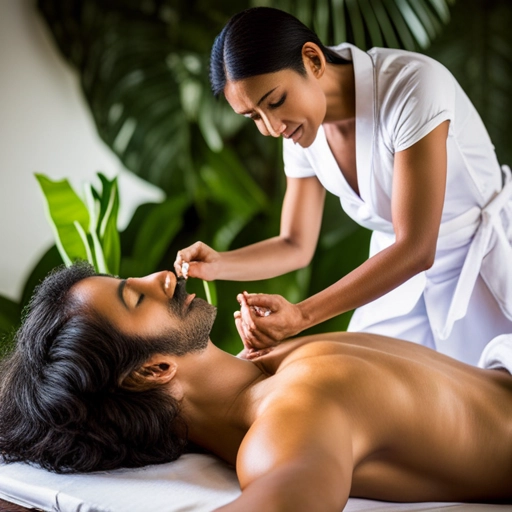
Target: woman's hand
[(198, 260), (265, 320)]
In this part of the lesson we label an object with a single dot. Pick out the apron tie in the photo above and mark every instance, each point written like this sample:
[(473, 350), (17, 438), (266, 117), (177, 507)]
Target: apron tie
[(492, 230)]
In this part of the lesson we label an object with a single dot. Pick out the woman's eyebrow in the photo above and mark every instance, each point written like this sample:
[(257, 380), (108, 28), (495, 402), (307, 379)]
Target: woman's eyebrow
[(120, 294), (266, 94), (261, 99)]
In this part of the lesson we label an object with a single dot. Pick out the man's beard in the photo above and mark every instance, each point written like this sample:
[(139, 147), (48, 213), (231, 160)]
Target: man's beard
[(192, 324)]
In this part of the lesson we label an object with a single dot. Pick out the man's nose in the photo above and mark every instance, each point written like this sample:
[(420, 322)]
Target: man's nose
[(158, 284)]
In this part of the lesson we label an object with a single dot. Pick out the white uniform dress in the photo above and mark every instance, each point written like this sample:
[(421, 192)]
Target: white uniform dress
[(465, 298)]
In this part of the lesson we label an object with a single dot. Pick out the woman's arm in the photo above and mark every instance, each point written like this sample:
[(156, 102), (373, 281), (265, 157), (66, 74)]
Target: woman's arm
[(417, 203), (301, 218)]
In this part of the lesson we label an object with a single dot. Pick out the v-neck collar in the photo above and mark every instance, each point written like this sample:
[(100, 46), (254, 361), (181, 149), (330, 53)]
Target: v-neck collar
[(365, 122)]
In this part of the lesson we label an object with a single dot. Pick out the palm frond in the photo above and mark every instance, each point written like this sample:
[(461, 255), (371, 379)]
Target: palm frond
[(408, 24), (477, 48)]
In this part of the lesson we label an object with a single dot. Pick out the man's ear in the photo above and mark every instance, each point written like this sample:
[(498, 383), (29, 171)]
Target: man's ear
[(158, 370), (314, 59)]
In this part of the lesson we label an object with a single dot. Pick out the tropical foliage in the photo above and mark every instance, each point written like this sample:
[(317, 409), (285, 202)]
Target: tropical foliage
[(143, 71), (84, 230)]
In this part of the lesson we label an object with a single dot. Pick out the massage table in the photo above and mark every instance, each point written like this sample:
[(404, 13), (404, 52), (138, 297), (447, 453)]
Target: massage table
[(193, 483)]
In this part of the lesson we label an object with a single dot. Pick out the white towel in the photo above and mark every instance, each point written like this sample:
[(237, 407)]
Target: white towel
[(497, 354)]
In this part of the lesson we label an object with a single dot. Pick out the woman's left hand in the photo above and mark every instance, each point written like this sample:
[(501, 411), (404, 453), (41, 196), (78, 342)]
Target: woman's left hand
[(265, 320)]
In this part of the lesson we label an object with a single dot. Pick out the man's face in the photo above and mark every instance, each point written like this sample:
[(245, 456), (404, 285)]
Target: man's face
[(155, 306)]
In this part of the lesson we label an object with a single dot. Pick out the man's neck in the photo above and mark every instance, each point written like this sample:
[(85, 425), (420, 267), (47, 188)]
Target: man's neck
[(218, 398)]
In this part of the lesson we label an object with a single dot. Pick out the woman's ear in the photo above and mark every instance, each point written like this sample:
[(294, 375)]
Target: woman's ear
[(158, 370), (314, 59)]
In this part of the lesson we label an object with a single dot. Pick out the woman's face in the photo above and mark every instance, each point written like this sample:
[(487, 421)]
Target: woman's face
[(283, 103)]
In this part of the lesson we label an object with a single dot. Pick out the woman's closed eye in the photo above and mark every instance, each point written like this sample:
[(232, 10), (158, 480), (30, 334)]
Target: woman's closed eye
[(278, 103)]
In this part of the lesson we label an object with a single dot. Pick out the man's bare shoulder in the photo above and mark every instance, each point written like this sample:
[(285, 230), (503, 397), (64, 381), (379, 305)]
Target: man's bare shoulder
[(326, 344), (295, 426)]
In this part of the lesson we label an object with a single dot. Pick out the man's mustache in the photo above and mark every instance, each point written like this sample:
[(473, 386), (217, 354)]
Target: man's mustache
[(179, 297)]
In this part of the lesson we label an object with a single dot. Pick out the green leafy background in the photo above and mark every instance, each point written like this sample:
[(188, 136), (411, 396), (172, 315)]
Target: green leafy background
[(143, 67)]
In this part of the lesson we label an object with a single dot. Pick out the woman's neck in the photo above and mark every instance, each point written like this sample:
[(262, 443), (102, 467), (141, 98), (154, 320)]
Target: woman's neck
[(338, 83)]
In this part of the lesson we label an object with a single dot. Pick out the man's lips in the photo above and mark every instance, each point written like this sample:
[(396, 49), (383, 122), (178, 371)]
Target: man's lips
[(170, 284), (188, 301)]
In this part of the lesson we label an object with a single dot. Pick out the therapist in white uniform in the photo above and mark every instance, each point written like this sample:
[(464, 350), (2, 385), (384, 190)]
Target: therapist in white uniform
[(393, 135)]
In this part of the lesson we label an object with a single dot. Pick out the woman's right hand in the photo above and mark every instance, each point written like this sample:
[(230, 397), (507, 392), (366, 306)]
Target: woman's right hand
[(202, 262)]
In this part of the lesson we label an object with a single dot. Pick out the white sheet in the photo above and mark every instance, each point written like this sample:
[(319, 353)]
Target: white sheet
[(198, 483)]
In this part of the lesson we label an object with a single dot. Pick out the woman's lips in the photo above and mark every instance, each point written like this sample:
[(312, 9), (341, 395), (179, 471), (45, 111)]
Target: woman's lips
[(296, 134)]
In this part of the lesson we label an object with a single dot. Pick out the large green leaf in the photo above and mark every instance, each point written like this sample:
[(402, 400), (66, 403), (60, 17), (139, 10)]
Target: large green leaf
[(68, 218), (144, 73), (107, 222), (408, 24), (477, 48), (84, 231)]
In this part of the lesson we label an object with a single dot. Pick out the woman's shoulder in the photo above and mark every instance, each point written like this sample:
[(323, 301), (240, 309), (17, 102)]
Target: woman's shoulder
[(413, 93), (392, 65)]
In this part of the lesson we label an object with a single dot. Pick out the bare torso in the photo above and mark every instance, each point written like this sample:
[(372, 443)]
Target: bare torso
[(423, 427)]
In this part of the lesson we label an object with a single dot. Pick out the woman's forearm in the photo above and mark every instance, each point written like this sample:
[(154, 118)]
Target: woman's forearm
[(375, 277), (262, 260)]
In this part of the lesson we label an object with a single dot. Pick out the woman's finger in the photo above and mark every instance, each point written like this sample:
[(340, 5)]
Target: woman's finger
[(239, 328), (242, 331), (245, 311), (262, 300), (255, 354)]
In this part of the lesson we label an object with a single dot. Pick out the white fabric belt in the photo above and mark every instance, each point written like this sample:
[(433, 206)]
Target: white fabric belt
[(458, 231), (492, 228)]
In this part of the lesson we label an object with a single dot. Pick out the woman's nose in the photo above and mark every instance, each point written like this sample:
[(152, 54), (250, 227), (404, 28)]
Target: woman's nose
[(275, 126)]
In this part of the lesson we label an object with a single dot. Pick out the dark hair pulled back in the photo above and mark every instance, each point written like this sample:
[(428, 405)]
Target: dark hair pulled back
[(261, 40)]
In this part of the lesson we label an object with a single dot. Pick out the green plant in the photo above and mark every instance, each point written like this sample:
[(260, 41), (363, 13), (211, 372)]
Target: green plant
[(408, 24), (84, 230), (477, 48), (88, 230)]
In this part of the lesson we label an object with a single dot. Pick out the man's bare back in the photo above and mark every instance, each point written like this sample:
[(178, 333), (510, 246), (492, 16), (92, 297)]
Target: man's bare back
[(398, 421)]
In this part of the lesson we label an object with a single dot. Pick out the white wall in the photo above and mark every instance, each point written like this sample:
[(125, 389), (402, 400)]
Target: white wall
[(45, 126)]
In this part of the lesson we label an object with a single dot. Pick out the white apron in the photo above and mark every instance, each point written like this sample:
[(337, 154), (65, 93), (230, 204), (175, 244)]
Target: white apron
[(475, 239)]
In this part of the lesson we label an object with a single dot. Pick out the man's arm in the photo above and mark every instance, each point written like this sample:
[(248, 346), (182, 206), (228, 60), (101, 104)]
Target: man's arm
[(296, 457)]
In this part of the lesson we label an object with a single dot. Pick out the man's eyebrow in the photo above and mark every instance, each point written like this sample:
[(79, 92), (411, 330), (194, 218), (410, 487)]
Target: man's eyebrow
[(259, 102), (120, 290)]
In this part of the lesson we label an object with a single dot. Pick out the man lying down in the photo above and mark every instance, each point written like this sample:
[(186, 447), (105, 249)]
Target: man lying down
[(112, 373)]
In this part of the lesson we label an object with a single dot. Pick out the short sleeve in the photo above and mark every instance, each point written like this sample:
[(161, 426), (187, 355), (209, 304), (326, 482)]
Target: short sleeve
[(420, 98), (296, 163)]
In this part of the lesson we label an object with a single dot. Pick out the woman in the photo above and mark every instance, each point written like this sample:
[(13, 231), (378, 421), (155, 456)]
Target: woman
[(394, 136)]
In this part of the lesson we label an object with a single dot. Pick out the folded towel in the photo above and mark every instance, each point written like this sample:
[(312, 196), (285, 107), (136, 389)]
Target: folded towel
[(497, 354)]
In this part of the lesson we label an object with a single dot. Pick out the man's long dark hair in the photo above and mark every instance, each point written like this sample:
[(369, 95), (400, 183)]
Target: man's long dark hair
[(63, 405)]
